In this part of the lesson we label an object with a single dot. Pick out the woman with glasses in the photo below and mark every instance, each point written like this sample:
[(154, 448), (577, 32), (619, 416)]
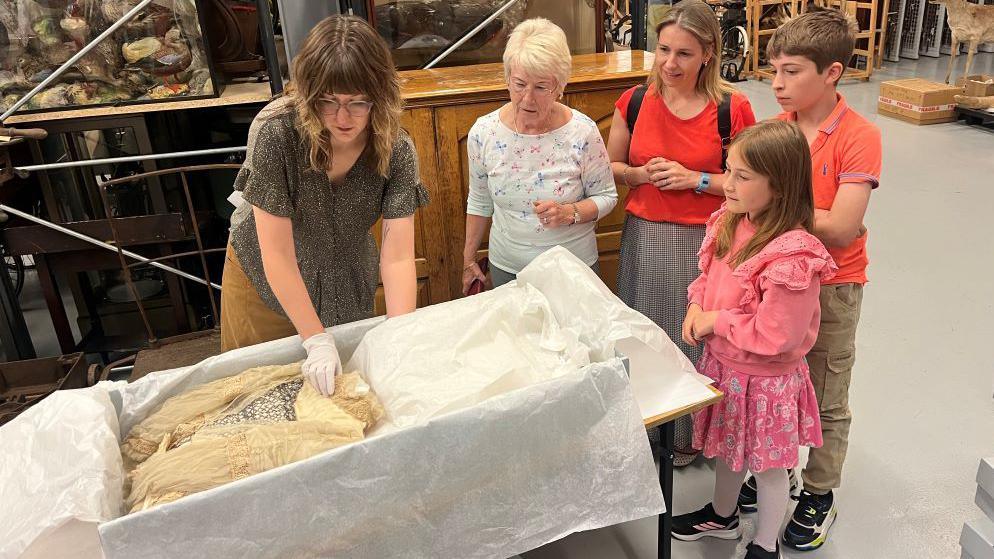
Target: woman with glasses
[(539, 174), (324, 163)]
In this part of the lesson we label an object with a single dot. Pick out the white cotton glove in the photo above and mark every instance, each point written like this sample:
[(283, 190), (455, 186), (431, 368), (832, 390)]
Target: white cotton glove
[(322, 363)]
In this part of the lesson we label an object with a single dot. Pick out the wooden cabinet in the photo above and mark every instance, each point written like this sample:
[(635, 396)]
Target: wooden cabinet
[(453, 124), (441, 107)]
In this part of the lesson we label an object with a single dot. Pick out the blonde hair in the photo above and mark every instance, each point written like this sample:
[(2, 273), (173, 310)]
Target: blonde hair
[(823, 36), (778, 151), (343, 54), (538, 47), (696, 18)]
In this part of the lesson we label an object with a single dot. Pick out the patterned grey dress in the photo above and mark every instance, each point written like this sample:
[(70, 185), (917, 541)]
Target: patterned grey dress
[(336, 253), (657, 264)]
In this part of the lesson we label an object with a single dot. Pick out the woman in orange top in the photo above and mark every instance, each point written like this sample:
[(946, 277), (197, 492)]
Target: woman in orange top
[(672, 161)]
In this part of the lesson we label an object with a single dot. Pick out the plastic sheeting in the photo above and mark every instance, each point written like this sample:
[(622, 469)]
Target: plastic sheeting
[(562, 450)]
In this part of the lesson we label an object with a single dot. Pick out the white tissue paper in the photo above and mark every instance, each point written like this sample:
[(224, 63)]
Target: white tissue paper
[(60, 464), (586, 307), (557, 317)]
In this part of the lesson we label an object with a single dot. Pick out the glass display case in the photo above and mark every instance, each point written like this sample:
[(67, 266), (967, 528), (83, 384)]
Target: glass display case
[(158, 55), (419, 30)]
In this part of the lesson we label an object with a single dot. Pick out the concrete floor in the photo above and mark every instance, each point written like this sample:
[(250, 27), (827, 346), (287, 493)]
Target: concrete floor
[(922, 386)]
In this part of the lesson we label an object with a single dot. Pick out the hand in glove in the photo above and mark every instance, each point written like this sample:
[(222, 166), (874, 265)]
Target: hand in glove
[(322, 363)]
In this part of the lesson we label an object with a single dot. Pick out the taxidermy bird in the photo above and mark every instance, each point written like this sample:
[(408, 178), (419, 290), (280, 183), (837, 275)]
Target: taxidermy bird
[(160, 57)]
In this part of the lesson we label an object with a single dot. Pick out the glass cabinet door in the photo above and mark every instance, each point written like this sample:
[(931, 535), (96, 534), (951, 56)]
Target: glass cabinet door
[(157, 55), (418, 30)]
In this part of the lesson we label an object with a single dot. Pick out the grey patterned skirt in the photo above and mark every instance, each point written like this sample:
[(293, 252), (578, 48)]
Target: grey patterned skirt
[(658, 262)]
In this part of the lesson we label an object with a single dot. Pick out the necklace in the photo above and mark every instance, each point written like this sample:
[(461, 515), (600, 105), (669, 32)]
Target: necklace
[(683, 107)]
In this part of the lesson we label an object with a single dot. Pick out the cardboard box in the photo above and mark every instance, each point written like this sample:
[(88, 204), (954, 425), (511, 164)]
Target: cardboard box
[(409, 486), (985, 475), (977, 539), (985, 502), (428, 490), (918, 101), (979, 85)]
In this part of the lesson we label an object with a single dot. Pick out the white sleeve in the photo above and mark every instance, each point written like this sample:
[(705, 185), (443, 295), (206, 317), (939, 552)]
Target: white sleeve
[(480, 202), (596, 175)]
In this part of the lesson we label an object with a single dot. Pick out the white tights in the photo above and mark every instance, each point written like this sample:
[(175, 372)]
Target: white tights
[(774, 492)]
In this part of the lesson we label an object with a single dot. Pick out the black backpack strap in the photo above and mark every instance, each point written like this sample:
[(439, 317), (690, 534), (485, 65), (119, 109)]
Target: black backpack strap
[(725, 127), (634, 104)]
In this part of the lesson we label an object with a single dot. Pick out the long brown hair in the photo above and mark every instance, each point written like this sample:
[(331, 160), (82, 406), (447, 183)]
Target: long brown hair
[(343, 54), (778, 151), (696, 18)]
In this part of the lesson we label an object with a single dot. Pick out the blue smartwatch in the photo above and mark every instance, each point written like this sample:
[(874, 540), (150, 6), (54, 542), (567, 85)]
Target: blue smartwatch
[(703, 184)]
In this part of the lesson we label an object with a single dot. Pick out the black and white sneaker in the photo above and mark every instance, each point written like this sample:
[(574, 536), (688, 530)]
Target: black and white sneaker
[(693, 526), (756, 552), (808, 527), (748, 495)]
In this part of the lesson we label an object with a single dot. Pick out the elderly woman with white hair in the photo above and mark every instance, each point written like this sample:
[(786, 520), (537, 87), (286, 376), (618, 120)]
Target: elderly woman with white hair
[(539, 173)]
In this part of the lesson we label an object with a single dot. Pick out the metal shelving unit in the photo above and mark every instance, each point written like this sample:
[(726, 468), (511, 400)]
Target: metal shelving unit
[(911, 34), (933, 25), (895, 25)]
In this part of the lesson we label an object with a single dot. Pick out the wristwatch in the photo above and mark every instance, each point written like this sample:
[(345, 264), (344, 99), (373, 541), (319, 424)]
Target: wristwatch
[(703, 184)]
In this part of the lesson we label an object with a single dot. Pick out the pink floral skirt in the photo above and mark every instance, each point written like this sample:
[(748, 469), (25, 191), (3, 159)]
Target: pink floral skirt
[(761, 422)]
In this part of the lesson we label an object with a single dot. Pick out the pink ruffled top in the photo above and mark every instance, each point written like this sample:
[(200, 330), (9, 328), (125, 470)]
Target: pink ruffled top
[(768, 307)]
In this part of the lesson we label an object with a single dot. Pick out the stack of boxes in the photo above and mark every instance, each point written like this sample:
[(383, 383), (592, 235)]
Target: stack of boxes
[(977, 539), (921, 101)]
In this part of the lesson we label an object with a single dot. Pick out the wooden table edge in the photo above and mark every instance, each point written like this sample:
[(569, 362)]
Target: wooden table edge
[(662, 418)]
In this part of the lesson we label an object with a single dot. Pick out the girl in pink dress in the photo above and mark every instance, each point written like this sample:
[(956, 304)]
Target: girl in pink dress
[(755, 307)]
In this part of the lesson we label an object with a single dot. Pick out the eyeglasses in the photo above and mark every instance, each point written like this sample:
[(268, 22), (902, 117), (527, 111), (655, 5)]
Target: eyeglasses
[(355, 109), (521, 87)]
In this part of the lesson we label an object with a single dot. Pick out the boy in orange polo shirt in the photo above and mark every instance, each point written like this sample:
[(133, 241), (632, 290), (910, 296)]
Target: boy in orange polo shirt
[(809, 55)]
